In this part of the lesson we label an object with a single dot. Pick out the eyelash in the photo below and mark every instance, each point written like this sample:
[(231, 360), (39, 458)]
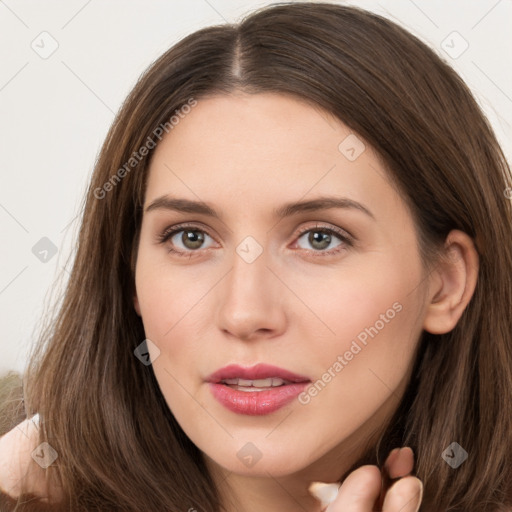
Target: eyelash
[(342, 235)]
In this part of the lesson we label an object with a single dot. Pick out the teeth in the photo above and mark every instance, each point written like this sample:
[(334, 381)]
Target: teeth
[(257, 383), (230, 381)]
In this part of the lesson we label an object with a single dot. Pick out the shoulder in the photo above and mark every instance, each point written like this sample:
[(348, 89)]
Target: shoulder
[(17, 466)]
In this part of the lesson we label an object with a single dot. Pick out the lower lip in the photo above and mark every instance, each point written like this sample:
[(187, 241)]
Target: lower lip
[(256, 403)]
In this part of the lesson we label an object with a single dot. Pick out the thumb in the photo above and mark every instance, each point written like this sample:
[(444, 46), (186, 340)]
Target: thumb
[(357, 493)]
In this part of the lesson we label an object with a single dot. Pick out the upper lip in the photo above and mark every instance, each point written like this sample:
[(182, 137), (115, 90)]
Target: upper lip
[(259, 371)]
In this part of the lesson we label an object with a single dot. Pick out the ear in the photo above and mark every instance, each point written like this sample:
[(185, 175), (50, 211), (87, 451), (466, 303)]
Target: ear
[(452, 283)]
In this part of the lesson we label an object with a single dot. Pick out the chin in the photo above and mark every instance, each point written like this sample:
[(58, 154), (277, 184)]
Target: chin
[(249, 461)]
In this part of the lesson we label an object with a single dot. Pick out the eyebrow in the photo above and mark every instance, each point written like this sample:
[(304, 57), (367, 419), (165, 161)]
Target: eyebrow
[(286, 210)]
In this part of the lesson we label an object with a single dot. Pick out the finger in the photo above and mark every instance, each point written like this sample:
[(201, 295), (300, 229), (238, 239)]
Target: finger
[(405, 495), (358, 492), (400, 463), (325, 493), (391, 457)]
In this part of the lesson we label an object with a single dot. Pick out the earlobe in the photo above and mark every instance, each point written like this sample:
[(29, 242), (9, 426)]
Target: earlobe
[(455, 281)]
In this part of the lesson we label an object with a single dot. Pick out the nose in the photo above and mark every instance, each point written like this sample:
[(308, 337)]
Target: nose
[(251, 300)]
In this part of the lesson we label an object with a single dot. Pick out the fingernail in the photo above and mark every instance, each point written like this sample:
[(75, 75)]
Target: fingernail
[(404, 453), (401, 453), (393, 454), (325, 493)]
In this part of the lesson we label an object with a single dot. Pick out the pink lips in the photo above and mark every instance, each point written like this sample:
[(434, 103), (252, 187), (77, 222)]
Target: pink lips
[(259, 371), (255, 402)]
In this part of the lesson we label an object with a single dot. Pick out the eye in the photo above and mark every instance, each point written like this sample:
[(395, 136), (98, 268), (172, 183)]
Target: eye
[(321, 237), (192, 239)]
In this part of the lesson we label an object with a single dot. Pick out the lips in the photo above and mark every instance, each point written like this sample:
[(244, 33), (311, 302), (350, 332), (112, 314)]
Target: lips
[(258, 390), (257, 372)]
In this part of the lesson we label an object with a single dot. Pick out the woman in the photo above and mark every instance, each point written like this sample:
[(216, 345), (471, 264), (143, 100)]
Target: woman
[(209, 355)]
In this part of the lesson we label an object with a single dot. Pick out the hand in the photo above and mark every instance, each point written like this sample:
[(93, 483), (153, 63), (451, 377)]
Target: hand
[(367, 489)]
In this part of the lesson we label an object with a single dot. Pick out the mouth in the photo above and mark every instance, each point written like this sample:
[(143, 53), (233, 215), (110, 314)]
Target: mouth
[(258, 390), (257, 385)]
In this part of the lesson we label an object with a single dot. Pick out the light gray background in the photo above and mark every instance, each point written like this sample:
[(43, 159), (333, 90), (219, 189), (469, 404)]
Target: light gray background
[(55, 111)]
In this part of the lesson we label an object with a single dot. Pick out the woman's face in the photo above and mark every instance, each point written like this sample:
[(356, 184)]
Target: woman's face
[(333, 295)]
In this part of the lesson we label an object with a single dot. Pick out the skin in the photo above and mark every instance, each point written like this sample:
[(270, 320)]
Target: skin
[(246, 155)]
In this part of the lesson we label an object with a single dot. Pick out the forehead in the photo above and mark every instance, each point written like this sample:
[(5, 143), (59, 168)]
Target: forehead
[(264, 149), (264, 125)]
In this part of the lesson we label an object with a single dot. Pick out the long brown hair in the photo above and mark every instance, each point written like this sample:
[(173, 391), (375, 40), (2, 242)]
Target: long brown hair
[(119, 445)]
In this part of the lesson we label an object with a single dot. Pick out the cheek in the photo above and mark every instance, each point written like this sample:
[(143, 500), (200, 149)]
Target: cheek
[(359, 378), (166, 296), (370, 323), (368, 291), (167, 302), (173, 302)]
